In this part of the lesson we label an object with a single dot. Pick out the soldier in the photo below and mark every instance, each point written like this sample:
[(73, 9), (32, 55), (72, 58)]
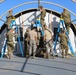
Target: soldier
[(48, 38), (66, 17), (9, 18), (10, 43), (64, 44), (43, 14), (26, 42), (32, 41)]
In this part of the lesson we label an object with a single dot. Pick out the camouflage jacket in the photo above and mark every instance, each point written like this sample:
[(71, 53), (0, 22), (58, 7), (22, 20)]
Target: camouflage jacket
[(66, 17), (9, 36), (63, 39), (43, 14)]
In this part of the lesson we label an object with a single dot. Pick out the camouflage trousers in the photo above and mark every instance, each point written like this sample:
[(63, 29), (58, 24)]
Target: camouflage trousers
[(26, 47), (8, 24), (64, 49), (49, 46), (32, 47), (67, 27), (10, 47), (42, 23)]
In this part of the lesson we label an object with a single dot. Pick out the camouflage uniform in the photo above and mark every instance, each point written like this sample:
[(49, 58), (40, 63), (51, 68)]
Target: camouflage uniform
[(64, 44), (48, 42), (43, 14), (9, 20), (66, 17), (26, 42), (32, 42), (10, 43)]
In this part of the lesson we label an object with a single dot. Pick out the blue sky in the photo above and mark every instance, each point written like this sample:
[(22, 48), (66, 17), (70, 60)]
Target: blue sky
[(8, 4)]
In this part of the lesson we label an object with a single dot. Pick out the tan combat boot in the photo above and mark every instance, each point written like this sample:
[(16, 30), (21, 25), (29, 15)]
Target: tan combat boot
[(48, 56), (7, 56), (10, 56), (34, 55), (66, 57), (53, 56), (45, 55)]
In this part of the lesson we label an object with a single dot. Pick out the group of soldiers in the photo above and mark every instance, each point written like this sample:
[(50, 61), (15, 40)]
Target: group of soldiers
[(33, 42), (33, 38), (47, 41)]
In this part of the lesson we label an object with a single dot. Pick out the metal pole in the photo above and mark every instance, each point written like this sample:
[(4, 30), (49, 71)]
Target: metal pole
[(38, 3), (22, 20), (51, 20)]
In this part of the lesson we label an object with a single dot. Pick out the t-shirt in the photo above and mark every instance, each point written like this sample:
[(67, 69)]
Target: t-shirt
[(47, 34), (32, 35)]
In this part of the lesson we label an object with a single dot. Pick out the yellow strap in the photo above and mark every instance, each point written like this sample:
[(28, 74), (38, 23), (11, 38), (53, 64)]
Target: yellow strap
[(61, 18), (13, 19), (37, 19)]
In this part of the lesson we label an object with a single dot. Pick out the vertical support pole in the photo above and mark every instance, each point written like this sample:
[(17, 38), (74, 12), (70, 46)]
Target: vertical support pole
[(38, 3), (22, 20), (51, 20)]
